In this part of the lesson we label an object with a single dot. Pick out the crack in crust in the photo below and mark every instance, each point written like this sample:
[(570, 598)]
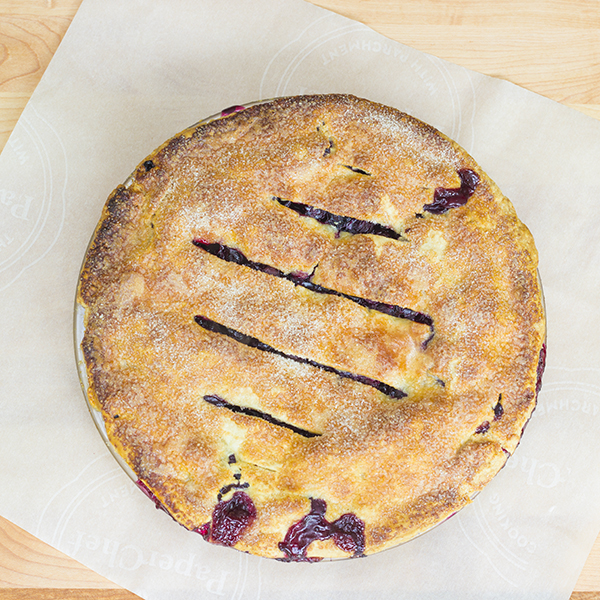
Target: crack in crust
[(252, 412), (247, 340), (304, 279), (341, 223)]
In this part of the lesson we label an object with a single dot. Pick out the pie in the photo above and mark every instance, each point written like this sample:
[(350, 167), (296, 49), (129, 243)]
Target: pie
[(313, 326)]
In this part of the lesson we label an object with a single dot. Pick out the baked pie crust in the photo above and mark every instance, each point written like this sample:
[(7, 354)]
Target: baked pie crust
[(313, 326)]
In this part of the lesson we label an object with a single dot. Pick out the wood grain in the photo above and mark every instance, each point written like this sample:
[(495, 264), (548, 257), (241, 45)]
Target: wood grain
[(30, 33), (551, 47), (74, 594), (19, 551)]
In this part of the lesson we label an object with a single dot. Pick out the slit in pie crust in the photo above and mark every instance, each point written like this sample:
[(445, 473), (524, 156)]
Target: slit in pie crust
[(313, 327)]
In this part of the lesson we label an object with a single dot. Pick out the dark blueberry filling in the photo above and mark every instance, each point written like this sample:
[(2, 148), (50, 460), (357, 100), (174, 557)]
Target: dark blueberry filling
[(252, 342), (483, 428), (252, 412), (389, 309), (498, 409), (430, 336), (230, 519), (447, 198), (232, 109), (538, 385), (357, 170), (330, 148), (204, 531), (151, 495), (149, 165), (347, 224), (540, 369), (348, 533), (231, 459), (231, 486), (299, 278), (331, 142), (233, 255)]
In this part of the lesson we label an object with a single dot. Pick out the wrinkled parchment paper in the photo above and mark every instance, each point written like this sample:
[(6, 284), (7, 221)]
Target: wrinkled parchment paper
[(129, 75)]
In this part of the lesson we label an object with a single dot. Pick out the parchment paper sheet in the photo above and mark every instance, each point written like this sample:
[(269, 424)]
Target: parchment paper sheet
[(130, 74)]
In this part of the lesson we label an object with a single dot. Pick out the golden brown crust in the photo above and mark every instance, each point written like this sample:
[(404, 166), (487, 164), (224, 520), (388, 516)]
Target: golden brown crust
[(404, 419)]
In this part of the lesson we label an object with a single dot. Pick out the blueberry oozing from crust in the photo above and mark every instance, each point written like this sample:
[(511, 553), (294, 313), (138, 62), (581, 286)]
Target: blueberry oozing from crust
[(253, 342), (230, 519), (446, 198), (348, 533)]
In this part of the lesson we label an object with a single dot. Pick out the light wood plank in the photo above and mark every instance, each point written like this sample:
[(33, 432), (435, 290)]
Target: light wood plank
[(508, 14), (71, 594), (589, 579), (549, 47), (26, 562), (30, 33)]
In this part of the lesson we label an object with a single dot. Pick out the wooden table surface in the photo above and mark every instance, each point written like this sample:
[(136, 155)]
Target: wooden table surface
[(551, 47)]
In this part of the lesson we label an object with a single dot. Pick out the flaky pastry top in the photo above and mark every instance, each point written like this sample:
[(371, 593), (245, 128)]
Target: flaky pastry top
[(314, 327)]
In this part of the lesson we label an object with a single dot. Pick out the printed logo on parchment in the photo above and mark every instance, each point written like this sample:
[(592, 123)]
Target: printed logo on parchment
[(514, 524), (493, 530), (32, 195), (570, 390), (179, 560), (413, 82)]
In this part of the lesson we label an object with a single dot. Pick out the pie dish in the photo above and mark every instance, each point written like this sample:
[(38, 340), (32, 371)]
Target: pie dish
[(313, 327)]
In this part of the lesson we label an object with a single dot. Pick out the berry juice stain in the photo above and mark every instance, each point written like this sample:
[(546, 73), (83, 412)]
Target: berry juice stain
[(348, 533), (150, 494), (230, 519), (446, 198), (231, 110), (540, 369)]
